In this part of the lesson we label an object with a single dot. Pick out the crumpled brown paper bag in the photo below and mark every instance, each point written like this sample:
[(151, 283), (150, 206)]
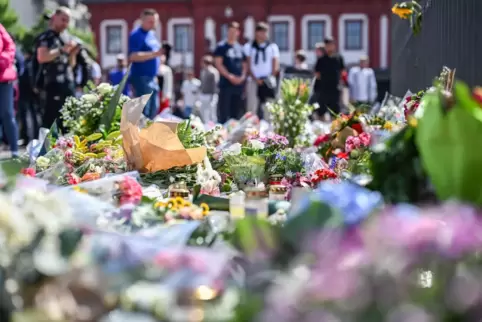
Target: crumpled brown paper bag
[(156, 147)]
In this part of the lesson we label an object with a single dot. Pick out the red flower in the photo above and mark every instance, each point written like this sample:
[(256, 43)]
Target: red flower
[(72, 179), (408, 99), (322, 139), (357, 127), (342, 155), (321, 175), (28, 172)]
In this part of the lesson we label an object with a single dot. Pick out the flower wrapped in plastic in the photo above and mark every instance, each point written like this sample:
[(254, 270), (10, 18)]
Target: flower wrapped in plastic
[(447, 137)]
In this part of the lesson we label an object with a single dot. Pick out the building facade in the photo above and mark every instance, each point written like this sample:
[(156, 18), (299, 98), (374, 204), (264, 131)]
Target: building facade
[(194, 27)]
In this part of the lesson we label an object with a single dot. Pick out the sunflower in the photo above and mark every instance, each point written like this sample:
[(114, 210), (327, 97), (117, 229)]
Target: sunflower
[(171, 204), (180, 202), (160, 204), (205, 208), (402, 12)]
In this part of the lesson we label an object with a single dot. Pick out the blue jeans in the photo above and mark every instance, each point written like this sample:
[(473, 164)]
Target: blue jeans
[(187, 111), (7, 116), (145, 85)]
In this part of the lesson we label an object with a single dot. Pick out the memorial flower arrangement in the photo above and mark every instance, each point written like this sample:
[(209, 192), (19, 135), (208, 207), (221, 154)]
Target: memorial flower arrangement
[(290, 112), (83, 116)]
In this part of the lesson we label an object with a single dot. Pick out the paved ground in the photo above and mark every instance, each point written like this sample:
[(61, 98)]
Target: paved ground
[(5, 154)]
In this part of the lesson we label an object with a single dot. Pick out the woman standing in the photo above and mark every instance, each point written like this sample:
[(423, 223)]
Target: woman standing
[(8, 75)]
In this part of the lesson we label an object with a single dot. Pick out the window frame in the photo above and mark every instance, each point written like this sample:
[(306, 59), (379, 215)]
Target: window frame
[(346, 45), (308, 33), (288, 40), (108, 50), (189, 37)]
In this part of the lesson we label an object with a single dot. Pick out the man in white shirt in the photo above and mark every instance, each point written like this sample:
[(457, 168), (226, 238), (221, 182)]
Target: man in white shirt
[(363, 85), (263, 65), (190, 90)]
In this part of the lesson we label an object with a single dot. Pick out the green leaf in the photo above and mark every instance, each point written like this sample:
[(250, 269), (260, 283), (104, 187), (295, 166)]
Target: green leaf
[(109, 113), (69, 239), (252, 235), (318, 215)]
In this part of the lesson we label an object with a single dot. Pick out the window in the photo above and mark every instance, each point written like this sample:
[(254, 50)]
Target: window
[(280, 35), (182, 38), (316, 33), (224, 31), (114, 40), (353, 35)]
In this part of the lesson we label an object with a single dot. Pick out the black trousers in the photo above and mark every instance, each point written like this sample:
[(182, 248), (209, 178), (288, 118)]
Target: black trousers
[(264, 94), (329, 101), (230, 103), (27, 110), (54, 100)]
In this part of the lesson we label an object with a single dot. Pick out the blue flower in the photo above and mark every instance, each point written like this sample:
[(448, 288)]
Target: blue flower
[(354, 202)]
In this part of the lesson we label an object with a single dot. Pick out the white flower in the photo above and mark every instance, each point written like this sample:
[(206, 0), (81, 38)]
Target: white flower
[(91, 98), (234, 149), (316, 106), (104, 88), (42, 162), (256, 144)]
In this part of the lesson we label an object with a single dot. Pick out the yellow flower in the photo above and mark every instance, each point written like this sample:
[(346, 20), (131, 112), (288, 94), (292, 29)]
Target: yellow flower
[(205, 208), (412, 121), (388, 126), (180, 202), (171, 204), (187, 204), (403, 13), (79, 189), (160, 204)]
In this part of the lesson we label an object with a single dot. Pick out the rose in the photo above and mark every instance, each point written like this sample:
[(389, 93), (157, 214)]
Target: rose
[(104, 88), (322, 139), (356, 142), (349, 147), (365, 139)]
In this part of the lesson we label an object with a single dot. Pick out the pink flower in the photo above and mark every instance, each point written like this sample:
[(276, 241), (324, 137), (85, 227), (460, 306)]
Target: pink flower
[(356, 142), (349, 147), (365, 138), (131, 191)]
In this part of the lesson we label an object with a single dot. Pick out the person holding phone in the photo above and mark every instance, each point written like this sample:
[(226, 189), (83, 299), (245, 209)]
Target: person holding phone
[(57, 55)]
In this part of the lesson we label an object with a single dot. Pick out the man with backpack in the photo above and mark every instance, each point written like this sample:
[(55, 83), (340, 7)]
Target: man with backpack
[(263, 65)]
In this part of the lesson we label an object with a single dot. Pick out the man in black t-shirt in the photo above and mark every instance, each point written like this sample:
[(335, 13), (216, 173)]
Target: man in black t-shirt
[(328, 71)]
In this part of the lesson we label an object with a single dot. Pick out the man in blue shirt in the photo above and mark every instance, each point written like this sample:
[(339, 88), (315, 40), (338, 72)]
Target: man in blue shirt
[(144, 54), (230, 60), (117, 74)]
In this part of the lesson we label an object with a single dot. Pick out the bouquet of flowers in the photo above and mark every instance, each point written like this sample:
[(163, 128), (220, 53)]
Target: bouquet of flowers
[(412, 11), (358, 150), (290, 113), (83, 116)]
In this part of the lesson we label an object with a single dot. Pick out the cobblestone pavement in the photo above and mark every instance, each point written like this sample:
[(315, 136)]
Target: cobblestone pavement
[(5, 153)]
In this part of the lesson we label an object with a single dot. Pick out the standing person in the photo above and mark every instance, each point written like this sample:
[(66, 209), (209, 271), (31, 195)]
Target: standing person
[(190, 90), (230, 61), (328, 72), (26, 102), (209, 90), (300, 60), (362, 83), (117, 73), (263, 65), (96, 73), (57, 56), (8, 75), (166, 83), (144, 53)]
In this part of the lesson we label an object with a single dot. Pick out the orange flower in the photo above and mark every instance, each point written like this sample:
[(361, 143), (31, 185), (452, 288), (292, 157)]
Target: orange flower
[(402, 12), (90, 176)]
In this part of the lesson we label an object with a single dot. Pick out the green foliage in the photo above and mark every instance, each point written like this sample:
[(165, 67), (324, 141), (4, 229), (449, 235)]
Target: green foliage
[(9, 19), (110, 112)]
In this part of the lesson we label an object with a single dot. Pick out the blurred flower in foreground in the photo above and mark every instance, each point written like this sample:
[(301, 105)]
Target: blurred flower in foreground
[(354, 202)]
